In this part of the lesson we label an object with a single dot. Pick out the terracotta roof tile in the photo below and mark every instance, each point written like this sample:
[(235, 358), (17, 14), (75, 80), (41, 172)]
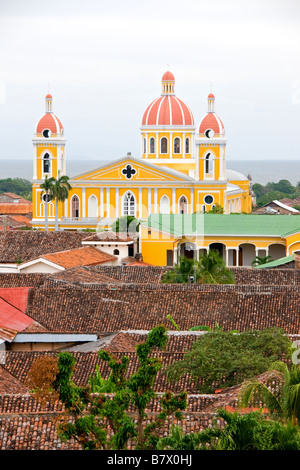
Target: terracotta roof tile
[(27, 245), (83, 256)]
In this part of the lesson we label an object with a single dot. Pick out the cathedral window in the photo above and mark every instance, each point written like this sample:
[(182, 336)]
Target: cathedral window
[(46, 163), (164, 145), (152, 145), (208, 164), (129, 204), (177, 145), (187, 145), (183, 205), (75, 206)]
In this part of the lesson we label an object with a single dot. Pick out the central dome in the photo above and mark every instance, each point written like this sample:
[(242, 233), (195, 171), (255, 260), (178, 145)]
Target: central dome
[(168, 110)]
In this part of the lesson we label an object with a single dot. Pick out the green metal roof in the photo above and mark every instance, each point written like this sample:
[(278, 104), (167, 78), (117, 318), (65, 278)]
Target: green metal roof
[(225, 224), (277, 262)]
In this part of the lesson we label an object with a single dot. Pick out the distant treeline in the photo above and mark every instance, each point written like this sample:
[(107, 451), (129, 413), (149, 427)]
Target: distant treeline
[(17, 186), (271, 191), (264, 194)]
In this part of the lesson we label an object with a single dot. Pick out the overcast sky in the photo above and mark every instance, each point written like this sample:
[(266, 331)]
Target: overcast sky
[(103, 61)]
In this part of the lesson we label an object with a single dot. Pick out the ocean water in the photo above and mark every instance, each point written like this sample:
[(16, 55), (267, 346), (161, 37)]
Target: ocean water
[(261, 171)]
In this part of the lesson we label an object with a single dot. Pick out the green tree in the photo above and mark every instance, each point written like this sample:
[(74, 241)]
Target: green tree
[(47, 196), (60, 192), (90, 411), (178, 440), (221, 359), (19, 186), (217, 209), (126, 224)]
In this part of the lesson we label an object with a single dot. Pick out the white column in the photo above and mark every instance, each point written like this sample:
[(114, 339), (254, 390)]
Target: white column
[(156, 144), (192, 201), (101, 203), (66, 205), (237, 256), (35, 162), (140, 203), (183, 145), (174, 200), (226, 255), (147, 144), (83, 202), (117, 202), (171, 144), (155, 200), (149, 202), (108, 202)]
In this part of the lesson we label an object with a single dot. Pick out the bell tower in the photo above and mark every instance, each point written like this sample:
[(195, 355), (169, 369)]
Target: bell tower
[(210, 146), (49, 145), (49, 160)]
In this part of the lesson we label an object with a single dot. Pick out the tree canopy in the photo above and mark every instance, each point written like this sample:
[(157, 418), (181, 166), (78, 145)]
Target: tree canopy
[(221, 359)]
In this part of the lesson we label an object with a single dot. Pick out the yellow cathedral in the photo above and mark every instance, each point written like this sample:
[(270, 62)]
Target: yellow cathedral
[(181, 170)]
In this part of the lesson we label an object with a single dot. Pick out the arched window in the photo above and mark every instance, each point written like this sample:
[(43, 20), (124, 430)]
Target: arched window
[(165, 205), (93, 206), (116, 252), (46, 163), (144, 143), (164, 145), (208, 164), (152, 145), (183, 205), (187, 145), (75, 206), (176, 145), (129, 204)]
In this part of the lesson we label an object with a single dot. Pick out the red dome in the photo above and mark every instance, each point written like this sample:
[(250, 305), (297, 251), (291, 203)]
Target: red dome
[(49, 96), (211, 95), (167, 111), (51, 122), (167, 76), (211, 121)]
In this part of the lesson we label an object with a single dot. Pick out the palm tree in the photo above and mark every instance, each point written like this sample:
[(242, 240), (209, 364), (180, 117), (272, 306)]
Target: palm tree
[(60, 191), (284, 401), (210, 269), (213, 269), (259, 260), (183, 272), (47, 196), (250, 431)]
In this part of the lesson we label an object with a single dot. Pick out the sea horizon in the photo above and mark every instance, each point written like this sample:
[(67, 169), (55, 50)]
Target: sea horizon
[(261, 171)]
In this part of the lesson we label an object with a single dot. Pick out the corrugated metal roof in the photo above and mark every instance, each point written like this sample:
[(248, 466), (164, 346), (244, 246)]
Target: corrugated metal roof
[(13, 303)]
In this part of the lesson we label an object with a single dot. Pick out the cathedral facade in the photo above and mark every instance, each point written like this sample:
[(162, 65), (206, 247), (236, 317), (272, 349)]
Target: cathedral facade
[(181, 170)]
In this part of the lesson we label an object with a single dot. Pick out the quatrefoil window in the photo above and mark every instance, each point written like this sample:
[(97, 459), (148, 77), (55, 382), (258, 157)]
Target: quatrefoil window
[(128, 171)]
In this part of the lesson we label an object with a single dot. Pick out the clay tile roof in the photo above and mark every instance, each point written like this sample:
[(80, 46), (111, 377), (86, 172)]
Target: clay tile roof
[(9, 384), (83, 256), (15, 208), (30, 244)]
